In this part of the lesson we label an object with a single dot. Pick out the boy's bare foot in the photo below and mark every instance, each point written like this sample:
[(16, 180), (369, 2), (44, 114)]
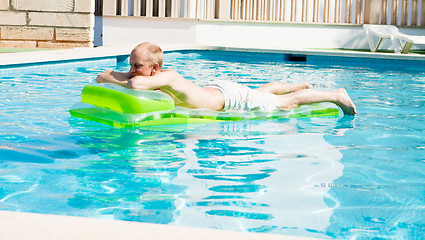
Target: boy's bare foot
[(344, 101)]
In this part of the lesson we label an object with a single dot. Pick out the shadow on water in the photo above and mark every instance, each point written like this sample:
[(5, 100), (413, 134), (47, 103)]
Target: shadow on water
[(38, 149)]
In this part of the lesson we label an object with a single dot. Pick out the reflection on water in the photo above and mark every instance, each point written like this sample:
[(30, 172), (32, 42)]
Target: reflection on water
[(260, 183), (131, 176), (253, 176)]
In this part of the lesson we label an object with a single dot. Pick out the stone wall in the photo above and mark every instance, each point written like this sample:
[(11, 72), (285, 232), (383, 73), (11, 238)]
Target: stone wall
[(46, 23)]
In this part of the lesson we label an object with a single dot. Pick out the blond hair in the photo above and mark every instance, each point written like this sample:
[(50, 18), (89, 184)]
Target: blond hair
[(153, 53)]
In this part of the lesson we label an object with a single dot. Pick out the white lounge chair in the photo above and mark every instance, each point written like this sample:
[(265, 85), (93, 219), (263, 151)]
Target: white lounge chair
[(400, 42)]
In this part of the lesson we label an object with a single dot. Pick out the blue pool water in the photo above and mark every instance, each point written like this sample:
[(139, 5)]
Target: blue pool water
[(357, 177)]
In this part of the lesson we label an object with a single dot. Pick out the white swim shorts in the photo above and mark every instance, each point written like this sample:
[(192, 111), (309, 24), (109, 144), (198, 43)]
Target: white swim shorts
[(242, 98)]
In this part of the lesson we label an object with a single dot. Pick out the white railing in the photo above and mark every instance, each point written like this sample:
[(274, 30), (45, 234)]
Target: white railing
[(395, 12), (204, 9)]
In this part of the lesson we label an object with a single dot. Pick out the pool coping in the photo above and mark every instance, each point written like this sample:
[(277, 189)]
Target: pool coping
[(19, 58), (20, 225)]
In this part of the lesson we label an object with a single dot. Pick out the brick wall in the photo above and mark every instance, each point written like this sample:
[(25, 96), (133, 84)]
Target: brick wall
[(46, 23)]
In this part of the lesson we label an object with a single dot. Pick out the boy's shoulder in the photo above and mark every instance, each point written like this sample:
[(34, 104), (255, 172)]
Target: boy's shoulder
[(170, 73), (168, 70)]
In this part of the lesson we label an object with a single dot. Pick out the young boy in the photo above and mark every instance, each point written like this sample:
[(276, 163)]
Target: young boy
[(146, 73)]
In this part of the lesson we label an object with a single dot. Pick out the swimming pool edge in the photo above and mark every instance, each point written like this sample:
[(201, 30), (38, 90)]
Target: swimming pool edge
[(20, 225), (22, 58)]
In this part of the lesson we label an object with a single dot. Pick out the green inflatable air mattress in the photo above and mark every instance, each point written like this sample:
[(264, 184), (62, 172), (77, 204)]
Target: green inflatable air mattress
[(122, 107)]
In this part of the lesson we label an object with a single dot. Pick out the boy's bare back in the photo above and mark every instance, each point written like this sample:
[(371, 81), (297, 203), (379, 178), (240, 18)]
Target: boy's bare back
[(184, 92)]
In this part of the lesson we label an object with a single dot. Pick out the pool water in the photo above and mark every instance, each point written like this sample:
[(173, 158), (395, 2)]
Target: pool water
[(357, 177)]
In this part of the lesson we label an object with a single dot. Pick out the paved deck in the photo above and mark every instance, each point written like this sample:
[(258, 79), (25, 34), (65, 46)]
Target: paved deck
[(22, 226)]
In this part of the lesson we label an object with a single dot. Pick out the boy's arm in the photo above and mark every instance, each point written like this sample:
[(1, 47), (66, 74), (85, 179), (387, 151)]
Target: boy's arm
[(152, 82), (120, 78)]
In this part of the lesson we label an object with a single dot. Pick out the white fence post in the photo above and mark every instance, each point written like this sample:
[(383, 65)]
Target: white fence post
[(137, 6), (175, 8), (124, 8), (149, 8), (109, 8), (161, 8), (224, 9)]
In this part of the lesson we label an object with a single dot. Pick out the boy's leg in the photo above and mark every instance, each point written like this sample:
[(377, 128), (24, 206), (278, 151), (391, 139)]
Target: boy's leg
[(280, 88), (305, 96)]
